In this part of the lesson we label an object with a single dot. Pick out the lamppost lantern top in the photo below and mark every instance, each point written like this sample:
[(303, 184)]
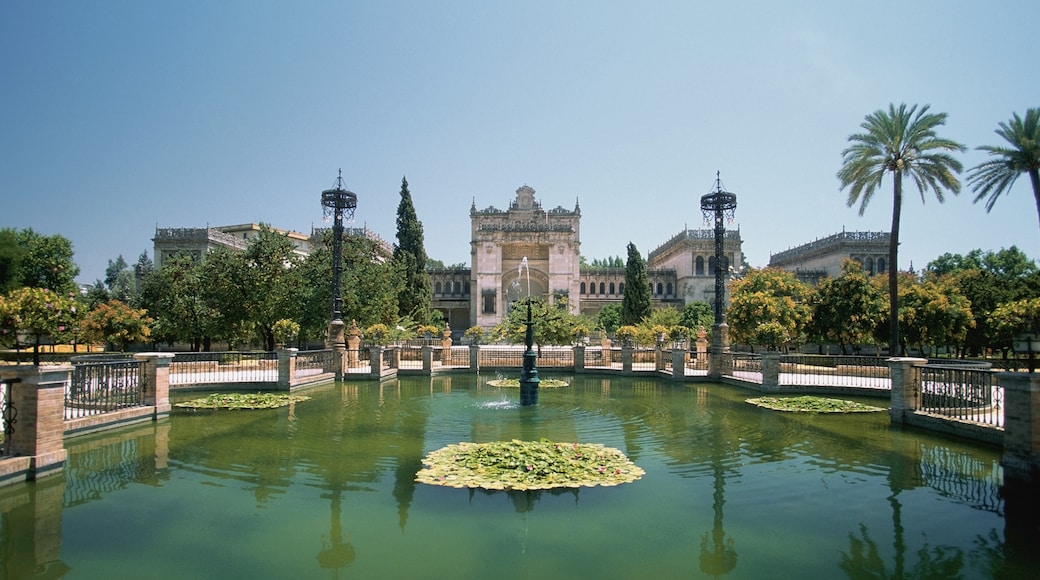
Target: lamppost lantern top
[(339, 200)]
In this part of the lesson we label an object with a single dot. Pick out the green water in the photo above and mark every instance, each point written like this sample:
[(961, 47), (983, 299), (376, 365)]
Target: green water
[(325, 489)]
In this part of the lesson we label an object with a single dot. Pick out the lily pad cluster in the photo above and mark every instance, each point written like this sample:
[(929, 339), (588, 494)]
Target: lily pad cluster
[(810, 404), (527, 465), (542, 383), (242, 401)]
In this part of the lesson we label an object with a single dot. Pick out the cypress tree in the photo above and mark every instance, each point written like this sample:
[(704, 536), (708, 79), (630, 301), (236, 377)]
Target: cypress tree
[(416, 292), (635, 305)]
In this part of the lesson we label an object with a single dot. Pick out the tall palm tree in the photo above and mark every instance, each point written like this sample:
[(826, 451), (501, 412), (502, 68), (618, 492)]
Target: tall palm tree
[(995, 177), (901, 141)]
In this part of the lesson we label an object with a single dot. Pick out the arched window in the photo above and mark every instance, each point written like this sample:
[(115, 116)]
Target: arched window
[(698, 266), (437, 288), (602, 288), (465, 286), (611, 287), (660, 288), (881, 265), (668, 289), (621, 288), (711, 265), (582, 287), (869, 266)]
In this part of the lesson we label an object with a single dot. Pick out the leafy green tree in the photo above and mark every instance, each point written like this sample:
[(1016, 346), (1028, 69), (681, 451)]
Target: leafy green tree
[(174, 295), (903, 142), (1011, 319), (268, 284), (697, 314), (635, 304), (934, 313), (553, 323), (949, 263), (416, 294), (12, 253), (846, 310), (38, 314), (609, 317), (47, 262), (369, 284), (995, 177), (768, 307), (115, 323)]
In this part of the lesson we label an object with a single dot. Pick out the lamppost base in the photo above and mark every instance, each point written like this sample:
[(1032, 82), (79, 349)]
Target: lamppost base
[(336, 339)]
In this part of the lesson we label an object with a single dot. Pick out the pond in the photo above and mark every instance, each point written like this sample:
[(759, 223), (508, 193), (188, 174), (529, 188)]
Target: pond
[(325, 489)]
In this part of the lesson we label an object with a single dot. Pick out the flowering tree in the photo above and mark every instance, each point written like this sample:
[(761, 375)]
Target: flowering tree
[(115, 322), (34, 314)]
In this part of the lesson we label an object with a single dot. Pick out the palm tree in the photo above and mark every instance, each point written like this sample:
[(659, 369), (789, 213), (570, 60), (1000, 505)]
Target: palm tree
[(901, 141), (996, 176)]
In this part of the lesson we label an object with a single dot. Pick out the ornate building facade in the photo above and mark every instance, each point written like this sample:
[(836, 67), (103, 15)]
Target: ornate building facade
[(822, 258), (679, 271)]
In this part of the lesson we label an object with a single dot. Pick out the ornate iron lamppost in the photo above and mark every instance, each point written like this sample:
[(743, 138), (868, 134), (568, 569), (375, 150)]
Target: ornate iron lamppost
[(715, 206), (339, 203)]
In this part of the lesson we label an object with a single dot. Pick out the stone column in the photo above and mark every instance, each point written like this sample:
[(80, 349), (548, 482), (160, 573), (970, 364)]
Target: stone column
[(446, 346), (156, 375), (427, 359), (474, 358), (375, 355), (626, 359), (678, 362), (770, 371), (353, 344), (39, 431), (906, 396), (579, 359), (1021, 459), (606, 344), (286, 367)]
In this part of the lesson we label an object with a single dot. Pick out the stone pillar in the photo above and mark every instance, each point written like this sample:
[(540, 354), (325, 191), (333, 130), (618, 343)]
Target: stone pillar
[(286, 367), (446, 346), (1021, 459), (39, 431), (579, 358), (626, 359), (906, 396), (770, 371), (678, 363), (427, 359), (375, 355), (607, 344), (702, 347), (353, 344), (474, 358), (156, 379), (659, 356)]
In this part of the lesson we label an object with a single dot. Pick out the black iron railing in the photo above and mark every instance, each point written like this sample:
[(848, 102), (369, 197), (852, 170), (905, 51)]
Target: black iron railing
[(965, 393), (834, 371), (195, 368), (315, 362), (98, 388), (8, 415)]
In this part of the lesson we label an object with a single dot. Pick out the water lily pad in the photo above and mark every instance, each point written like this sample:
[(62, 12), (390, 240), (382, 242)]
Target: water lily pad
[(810, 404), (542, 383), (242, 401), (527, 465)]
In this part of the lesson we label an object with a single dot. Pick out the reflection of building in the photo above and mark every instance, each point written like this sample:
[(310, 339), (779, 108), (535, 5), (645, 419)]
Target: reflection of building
[(195, 242), (822, 258)]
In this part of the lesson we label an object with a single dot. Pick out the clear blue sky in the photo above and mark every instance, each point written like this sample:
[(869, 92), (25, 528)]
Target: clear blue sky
[(117, 116)]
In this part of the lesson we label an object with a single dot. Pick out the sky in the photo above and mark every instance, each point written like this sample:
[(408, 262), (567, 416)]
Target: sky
[(117, 117)]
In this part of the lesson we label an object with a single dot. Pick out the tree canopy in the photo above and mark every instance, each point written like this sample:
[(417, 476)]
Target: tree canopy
[(416, 291), (635, 304)]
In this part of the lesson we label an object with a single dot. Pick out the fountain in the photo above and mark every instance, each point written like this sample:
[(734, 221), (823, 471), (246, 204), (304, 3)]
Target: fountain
[(529, 375)]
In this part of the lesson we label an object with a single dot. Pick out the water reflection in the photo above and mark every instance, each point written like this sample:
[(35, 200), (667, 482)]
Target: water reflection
[(354, 448)]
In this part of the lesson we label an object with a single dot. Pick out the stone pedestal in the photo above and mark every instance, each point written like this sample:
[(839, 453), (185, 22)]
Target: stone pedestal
[(905, 397), (39, 432), (156, 387)]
